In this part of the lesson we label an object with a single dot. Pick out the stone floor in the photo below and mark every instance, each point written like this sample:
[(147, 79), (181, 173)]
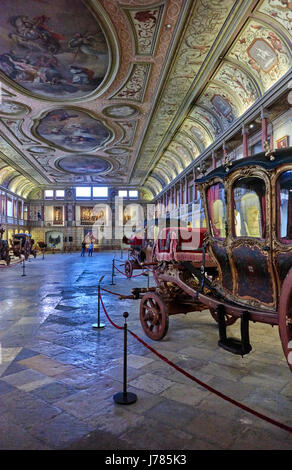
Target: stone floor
[(58, 375)]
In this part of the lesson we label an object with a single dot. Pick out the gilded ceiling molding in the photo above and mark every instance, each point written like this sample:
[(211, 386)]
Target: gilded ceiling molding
[(196, 132), (231, 93), (277, 12), (167, 170), (162, 175), (155, 183), (145, 24), (183, 150), (12, 108), (209, 118), (135, 87), (159, 178), (166, 162), (14, 156), (14, 126), (180, 160), (147, 193), (14, 183), (204, 23), (264, 50), (190, 142), (129, 129), (175, 159), (207, 136)]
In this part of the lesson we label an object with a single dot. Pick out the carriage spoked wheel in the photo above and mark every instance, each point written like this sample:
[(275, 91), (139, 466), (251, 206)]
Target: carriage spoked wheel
[(128, 269), (153, 316), (229, 319), (285, 317)]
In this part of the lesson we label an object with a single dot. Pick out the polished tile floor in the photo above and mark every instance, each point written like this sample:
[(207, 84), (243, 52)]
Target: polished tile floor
[(58, 375)]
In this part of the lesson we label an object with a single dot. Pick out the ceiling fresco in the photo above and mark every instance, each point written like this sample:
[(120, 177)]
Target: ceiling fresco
[(52, 49), (71, 129), (84, 164), (129, 92)]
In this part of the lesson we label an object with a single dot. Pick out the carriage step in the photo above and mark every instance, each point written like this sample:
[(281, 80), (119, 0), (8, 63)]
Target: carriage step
[(235, 346)]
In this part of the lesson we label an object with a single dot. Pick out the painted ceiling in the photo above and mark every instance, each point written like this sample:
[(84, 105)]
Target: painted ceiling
[(129, 92)]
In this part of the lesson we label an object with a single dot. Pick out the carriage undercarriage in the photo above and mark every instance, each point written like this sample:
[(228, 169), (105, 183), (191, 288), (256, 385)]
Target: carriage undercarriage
[(179, 291)]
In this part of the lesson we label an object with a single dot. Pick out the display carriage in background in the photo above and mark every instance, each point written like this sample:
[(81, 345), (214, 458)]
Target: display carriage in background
[(4, 248), (22, 244), (248, 206), (140, 251)]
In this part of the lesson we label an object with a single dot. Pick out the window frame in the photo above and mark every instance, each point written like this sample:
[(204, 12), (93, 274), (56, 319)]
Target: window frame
[(263, 209), (281, 240), (208, 215)]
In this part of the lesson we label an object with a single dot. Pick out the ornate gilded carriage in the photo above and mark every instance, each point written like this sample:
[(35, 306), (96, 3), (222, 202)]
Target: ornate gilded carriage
[(4, 248), (248, 208), (22, 244)]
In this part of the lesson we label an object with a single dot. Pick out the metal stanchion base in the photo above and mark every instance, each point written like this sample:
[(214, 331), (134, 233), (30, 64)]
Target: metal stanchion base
[(125, 398), (97, 326)]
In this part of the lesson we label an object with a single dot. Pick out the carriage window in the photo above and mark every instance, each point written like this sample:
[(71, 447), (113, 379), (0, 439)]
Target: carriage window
[(249, 213), (284, 197), (217, 210)]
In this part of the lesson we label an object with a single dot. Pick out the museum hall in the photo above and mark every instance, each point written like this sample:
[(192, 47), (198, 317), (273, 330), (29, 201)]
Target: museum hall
[(146, 227)]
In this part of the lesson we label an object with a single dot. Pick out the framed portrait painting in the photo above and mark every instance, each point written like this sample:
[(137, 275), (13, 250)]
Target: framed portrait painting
[(283, 142)]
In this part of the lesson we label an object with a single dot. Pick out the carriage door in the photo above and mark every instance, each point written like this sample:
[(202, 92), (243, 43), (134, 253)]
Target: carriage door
[(251, 257)]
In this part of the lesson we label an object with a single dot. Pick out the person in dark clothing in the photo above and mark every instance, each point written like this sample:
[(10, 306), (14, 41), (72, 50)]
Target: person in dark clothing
[(83, 247)]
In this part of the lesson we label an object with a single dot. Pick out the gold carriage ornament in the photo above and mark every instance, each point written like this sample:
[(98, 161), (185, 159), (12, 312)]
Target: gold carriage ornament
[(245, 250), (269, 152)]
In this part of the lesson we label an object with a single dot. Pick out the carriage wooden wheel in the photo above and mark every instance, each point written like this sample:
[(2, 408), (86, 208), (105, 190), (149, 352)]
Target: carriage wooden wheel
[(153, 316), (128, 269), (229, 319), (285, 318)]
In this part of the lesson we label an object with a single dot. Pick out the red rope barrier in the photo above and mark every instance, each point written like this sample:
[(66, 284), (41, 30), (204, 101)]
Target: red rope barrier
[(203, 384), (110, 292), (104, 309), (124, 274)]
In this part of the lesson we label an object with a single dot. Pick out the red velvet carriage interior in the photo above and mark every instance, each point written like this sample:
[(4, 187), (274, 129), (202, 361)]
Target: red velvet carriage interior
[(180, 244)]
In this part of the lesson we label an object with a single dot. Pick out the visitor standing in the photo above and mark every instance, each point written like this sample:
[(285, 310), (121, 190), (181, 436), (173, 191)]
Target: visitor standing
[(90, 249), (83, 247)]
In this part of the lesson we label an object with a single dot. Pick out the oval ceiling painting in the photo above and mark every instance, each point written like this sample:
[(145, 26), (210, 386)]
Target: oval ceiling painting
[(70, 129), (52, 49), (84, 164)]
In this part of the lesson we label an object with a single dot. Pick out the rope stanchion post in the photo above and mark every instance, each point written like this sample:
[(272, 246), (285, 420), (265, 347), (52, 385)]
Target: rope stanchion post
[(98, 325), (23, 268), (121, 251), (124, 397), (113, 272)]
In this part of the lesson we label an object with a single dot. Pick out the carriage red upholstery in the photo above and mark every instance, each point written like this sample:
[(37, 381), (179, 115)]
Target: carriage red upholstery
[(180, 244), (136, 241)]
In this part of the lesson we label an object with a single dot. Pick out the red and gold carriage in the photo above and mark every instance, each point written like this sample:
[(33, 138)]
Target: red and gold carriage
[(240, 267), (140, 251), (22, 245)]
